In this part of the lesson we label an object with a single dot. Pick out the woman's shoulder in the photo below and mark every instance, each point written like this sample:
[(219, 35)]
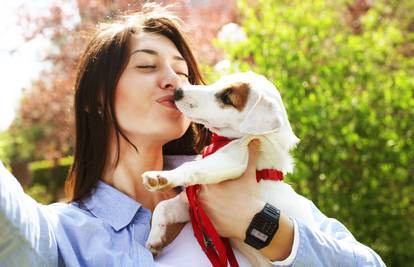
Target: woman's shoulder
[(68, 213), (65, 206), (73, 223)]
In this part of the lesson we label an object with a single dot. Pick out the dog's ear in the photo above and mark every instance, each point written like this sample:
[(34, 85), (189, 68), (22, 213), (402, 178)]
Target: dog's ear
[(263, 117)]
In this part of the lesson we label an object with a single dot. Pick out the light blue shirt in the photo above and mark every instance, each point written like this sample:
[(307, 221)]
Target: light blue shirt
[(110, 229)]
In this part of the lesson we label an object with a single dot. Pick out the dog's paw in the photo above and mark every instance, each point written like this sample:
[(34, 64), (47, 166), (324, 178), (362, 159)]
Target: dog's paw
[(155, 248), (155, 239), (157, 181)]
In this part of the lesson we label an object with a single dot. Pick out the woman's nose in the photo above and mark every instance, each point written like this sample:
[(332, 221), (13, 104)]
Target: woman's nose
[(170, 80)]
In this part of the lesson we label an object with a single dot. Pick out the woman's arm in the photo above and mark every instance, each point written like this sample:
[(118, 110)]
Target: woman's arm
[(26, 232), (329, 243)]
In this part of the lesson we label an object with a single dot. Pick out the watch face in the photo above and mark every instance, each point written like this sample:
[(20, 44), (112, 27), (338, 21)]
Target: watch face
[(263, 227), (259, 235)]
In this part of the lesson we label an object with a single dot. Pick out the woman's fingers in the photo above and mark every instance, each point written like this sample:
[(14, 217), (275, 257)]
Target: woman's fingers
[(254, 151)]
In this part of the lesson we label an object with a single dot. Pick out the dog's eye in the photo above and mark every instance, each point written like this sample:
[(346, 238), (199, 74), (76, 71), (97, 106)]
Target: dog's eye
[(225, 98)]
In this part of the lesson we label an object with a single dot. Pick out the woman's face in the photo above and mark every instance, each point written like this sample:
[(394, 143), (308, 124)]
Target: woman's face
[(143, 96)]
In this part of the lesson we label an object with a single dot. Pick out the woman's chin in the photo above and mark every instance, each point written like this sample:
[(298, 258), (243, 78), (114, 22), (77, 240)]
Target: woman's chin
[(167, 134), (161, 131), (177, 128), (172, 135)]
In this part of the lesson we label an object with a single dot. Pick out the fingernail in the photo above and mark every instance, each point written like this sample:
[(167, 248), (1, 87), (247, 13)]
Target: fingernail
[(256, 142)]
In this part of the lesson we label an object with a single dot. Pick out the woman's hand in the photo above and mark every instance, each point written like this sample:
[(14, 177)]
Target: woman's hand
[(232, 204)]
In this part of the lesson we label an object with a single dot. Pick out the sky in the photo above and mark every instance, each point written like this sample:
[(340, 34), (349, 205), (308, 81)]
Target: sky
[(20, 61)]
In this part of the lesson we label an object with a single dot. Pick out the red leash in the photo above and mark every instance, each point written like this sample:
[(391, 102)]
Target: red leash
[(217, 249)]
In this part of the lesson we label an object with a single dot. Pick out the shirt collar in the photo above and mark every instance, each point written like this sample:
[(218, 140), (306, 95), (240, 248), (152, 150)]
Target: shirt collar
[(112, 206), (118, 209)]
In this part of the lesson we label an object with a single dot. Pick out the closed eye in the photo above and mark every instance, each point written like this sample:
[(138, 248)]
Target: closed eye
[(146, 67), (153, 67)]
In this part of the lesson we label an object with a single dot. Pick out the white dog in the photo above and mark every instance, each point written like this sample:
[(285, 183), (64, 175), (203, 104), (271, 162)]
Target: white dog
[(243, 106)]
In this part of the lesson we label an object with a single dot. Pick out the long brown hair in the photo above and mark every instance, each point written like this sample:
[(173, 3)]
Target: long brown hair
[(99, 70)]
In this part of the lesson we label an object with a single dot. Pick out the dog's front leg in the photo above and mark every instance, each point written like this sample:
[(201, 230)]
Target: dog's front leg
[(167, 212), (227, 163)]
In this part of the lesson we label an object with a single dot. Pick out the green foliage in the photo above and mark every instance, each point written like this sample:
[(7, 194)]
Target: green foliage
[(16, 145), (40, 193), (350, 99), (5, 141), (48, 179)]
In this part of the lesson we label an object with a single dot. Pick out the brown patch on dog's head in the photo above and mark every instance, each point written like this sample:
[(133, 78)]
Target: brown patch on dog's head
[(235, 95)]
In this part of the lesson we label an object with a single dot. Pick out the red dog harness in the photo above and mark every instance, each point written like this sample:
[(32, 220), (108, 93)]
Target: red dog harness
[(217, 249)]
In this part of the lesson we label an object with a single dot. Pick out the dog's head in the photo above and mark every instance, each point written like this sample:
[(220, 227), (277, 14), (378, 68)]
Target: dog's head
[(237, 105)]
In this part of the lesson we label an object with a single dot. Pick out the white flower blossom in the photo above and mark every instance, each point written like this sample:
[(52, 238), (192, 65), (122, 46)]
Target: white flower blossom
[(232, 33), (222, 66)]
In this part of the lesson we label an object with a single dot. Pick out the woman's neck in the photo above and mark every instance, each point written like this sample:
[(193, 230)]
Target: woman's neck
[(126, 175)]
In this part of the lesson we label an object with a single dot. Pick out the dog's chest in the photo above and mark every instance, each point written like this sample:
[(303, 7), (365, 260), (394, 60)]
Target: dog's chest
[(272, 155)]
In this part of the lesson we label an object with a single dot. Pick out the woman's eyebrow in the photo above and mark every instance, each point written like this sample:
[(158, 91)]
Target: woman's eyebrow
[(155, 53)]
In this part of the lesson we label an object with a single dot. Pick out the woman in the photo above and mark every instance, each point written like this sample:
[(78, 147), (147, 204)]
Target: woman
[(126, 124)]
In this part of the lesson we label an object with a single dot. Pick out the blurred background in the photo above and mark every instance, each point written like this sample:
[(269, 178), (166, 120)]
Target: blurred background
[(345, 70)]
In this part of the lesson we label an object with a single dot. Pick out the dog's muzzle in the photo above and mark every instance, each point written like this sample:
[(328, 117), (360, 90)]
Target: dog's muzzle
[(178, 94)]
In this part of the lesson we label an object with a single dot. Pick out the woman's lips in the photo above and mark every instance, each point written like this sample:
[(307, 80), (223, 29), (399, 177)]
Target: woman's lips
[(167, 101)]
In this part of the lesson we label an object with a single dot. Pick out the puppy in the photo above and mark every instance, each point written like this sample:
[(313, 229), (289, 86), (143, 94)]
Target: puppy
[(241, 106)]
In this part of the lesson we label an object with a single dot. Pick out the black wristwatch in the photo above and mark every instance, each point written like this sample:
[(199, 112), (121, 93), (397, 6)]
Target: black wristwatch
[(263, 227)]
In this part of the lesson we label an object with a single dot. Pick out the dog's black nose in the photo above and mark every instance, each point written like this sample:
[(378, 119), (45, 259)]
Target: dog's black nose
[(178, 94)]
